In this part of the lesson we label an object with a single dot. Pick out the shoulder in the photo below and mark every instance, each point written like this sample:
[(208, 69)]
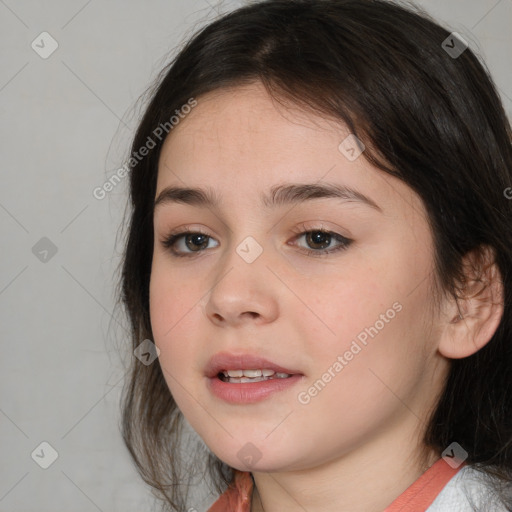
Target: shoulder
[(237, 497), (472, 490)]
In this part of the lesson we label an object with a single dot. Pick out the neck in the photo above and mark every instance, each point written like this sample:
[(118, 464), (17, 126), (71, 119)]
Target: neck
[(350, 483)]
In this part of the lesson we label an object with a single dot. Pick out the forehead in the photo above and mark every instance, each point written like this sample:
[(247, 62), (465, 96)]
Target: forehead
[(244, 117), (241, 141)]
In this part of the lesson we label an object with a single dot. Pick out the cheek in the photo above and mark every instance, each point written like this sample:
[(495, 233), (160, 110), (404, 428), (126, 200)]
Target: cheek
[(174, 306), (370, 353), (372, 316), (174, 310), (173, 294)]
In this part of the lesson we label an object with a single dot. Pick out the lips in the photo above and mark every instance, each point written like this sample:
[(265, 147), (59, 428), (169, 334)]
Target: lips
[(223, 361)]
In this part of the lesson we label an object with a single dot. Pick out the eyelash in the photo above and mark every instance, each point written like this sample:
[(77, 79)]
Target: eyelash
[(170, 241)]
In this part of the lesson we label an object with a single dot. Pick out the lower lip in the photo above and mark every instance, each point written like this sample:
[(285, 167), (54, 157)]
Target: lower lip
[(249, 392)]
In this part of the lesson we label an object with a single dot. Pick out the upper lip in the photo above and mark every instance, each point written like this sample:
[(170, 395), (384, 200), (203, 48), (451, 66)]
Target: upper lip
[(223, 361)]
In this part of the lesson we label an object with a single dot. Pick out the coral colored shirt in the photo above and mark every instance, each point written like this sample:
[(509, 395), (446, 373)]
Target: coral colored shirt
[(416, 498)]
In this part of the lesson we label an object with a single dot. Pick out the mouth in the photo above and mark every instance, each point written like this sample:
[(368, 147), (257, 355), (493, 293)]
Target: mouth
[(229, 367), (246, 378)]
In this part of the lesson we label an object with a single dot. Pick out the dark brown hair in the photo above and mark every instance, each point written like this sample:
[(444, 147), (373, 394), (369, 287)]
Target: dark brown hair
[(431, 119)]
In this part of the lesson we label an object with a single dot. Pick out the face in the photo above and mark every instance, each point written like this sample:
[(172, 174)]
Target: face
[(336, 289)]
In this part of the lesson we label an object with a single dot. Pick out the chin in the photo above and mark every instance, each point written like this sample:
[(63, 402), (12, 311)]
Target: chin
[(251, 458)]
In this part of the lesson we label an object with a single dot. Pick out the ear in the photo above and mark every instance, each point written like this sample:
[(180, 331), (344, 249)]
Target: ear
[(469, 323)]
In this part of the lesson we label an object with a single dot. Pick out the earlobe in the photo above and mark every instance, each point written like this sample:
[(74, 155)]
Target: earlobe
[(471, 322)]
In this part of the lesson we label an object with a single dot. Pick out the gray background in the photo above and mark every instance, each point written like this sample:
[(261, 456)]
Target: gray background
[(65, 126)]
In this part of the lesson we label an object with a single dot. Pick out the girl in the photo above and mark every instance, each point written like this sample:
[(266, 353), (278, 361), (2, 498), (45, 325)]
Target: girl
[(320, 249)]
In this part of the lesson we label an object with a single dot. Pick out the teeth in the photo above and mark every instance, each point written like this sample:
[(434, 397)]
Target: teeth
[(248, 379), (234, 373), (252, 373), (241, 376), (233, 380), (248, 373)]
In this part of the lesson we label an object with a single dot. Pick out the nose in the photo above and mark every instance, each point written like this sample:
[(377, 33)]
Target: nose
[(244, 291)]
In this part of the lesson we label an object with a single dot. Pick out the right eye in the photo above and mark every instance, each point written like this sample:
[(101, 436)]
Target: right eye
[(191, 239)]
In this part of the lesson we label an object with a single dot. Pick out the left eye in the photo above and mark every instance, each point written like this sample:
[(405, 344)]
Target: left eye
[(196, 242), (322, 239)]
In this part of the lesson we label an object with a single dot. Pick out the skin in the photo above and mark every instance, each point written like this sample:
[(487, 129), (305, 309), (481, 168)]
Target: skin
[(356, 445)]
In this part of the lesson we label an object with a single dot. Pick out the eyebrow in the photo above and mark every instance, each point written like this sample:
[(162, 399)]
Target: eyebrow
[(279, 195)]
